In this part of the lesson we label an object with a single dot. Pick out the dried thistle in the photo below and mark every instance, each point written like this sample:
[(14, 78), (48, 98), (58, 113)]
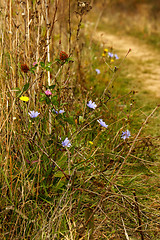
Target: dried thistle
[(24, 68), (83, 7)]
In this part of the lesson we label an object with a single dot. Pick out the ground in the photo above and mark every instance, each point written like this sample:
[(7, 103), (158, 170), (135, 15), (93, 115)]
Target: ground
[(145, 59)]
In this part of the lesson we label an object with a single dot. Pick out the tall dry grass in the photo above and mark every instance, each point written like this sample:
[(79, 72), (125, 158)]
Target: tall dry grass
[(51, 192)]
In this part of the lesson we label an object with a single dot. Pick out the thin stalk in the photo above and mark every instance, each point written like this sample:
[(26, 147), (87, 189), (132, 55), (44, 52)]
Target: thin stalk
[(69, 25), (48, 52), (140, 230), (10, 24), (28, 23), (11, 172), (48, 39)]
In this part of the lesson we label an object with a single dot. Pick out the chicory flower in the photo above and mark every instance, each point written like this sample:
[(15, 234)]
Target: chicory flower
[(126, 134), (66, 143), (91, 104), (98, 71), (102, 123), (33, 114)]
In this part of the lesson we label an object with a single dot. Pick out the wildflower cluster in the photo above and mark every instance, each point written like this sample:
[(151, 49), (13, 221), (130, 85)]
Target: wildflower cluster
[(66, 130), (109, 55), (58, 112), (49, 98), (126, 134), (66, 142)]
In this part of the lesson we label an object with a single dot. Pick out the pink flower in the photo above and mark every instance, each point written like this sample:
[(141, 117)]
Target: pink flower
[(35, 63), (48, 93)]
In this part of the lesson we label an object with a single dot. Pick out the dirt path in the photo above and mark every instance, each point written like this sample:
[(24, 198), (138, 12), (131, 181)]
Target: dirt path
[(146, 59)]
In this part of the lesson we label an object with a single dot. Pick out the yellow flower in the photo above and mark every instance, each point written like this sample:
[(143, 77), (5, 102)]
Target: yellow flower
[(24, 98), (112, 60), (91, 142), (103, 54), (105, 50)]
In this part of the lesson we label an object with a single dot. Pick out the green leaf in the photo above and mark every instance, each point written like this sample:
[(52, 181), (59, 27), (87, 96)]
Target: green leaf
[(42, 99), (69, 60), (52, 86), (31, 70), (42, 64), (58, 60), (59, 175), (25, 87), (54, 100), (60, 185), (81, 119), (48, 64), (69, 120), (48, 69), (47, 100)]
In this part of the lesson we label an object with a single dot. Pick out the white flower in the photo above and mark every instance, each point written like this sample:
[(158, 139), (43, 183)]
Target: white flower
[(91, 104), (103, 124)]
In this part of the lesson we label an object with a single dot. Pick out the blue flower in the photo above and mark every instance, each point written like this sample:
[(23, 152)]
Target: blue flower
[(98, 71), (126, 134), (116, 56), (91, 104), (66, 143), (61, 111), (110, 54), (33, 114), (103, 124), (57, 112)]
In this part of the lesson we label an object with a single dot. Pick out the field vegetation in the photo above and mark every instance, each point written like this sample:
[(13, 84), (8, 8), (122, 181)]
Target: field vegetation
[(79, 147)]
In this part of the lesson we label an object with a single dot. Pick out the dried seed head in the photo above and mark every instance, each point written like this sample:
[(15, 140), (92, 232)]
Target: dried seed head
[(83, 7), (63, 56), (82, 4), (24, 68)]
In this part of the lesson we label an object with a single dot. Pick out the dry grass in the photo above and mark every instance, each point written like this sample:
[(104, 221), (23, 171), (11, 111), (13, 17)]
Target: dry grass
[(98, 188)]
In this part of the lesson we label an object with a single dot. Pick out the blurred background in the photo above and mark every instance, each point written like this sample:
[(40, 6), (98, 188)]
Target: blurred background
[(140, 18)]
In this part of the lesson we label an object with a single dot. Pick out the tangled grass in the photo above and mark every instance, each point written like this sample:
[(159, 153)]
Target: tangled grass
[(67, 171)]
